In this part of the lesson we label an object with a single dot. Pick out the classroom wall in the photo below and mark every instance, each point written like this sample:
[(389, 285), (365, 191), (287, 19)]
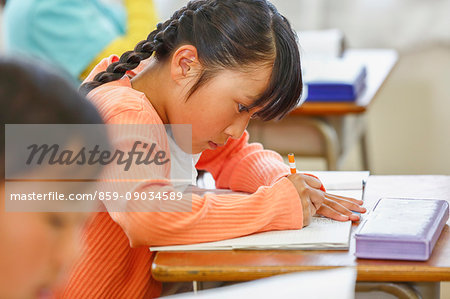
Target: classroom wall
[(409, 120), (409, 123)]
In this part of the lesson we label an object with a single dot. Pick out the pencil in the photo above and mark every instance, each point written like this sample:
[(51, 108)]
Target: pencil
[(364, 182), (292, 163)]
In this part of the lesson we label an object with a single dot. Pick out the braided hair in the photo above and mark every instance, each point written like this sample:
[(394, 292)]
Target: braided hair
[(228, 34)]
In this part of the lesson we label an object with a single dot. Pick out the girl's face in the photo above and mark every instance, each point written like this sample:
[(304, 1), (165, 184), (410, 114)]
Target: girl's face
[(217, 110), (35, 249)]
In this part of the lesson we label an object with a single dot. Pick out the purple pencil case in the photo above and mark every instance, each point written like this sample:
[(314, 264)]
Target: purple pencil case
[(401, 229)]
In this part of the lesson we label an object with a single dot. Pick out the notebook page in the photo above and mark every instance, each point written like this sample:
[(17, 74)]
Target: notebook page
[(341, 180), (322, 233)]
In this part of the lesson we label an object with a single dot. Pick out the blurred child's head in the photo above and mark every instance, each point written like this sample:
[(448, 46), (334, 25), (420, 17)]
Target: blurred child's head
[(247, 41), (35, 247)]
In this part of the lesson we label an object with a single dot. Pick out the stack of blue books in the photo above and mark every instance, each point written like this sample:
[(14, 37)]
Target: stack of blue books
[(334, 80)]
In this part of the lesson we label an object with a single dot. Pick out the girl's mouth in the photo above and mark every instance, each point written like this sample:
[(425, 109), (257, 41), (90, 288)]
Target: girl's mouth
[(212, 145)]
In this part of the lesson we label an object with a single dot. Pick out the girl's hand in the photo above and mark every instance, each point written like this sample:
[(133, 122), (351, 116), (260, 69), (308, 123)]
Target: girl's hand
[(340, 208), (311, 196)]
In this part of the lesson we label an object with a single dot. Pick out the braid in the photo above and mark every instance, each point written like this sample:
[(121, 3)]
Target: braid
[(128, 61), (161, 41)]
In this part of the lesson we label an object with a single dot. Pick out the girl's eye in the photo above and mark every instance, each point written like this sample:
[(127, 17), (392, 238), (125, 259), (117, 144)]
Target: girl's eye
[(242, 108)]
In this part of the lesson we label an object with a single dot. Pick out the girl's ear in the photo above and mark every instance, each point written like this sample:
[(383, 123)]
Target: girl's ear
[(184, 63)]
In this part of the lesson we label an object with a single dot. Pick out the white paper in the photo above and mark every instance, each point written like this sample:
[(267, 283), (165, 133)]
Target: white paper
[(324, 284), (341, 180), (322, 233), (321, 44)]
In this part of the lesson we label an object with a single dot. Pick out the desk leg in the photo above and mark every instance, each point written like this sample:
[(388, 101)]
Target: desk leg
[(197, 286), (364, 153), (329, 137), (331, 143), (428, 290), (351, 130)]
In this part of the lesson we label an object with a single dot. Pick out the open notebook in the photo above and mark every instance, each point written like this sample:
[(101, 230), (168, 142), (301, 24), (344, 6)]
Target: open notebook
[(322, 233)]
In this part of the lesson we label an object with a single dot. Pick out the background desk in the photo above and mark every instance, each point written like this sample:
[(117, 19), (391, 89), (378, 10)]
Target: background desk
[(248, 265), (329, 129)]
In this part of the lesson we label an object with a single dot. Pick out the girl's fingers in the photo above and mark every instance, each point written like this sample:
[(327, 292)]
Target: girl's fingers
[(338, 207), (343, 198), (354, 217), (347, 204), (329, 212), (357, 201), (317, 197)]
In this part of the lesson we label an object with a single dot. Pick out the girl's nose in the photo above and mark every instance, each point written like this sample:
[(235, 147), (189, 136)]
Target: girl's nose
[(238, 126)]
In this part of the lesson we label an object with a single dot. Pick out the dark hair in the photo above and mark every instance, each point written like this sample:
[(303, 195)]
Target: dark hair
[(32, 93), (227, 34)]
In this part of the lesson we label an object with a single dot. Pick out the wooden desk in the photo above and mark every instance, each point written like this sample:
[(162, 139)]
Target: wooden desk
[(248, 265), (335, 125)]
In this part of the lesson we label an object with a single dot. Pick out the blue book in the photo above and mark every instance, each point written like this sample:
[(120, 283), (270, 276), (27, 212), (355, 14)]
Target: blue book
[(335, 81)]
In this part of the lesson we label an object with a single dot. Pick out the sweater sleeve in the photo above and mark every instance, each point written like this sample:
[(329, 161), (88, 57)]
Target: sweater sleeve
[(215, 217), (209, 217), (241, 166)]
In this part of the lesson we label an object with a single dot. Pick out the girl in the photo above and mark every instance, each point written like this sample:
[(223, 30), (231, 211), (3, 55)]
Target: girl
[(213, 65)]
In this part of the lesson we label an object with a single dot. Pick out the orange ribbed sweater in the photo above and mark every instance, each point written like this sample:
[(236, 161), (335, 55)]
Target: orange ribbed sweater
[(115, 261)]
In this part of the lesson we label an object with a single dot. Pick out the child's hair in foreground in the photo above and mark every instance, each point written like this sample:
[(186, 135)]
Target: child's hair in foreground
[(32, 93), (228, 34)]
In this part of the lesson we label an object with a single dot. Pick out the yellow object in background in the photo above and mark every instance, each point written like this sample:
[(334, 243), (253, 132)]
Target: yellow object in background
[(141, 20)]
